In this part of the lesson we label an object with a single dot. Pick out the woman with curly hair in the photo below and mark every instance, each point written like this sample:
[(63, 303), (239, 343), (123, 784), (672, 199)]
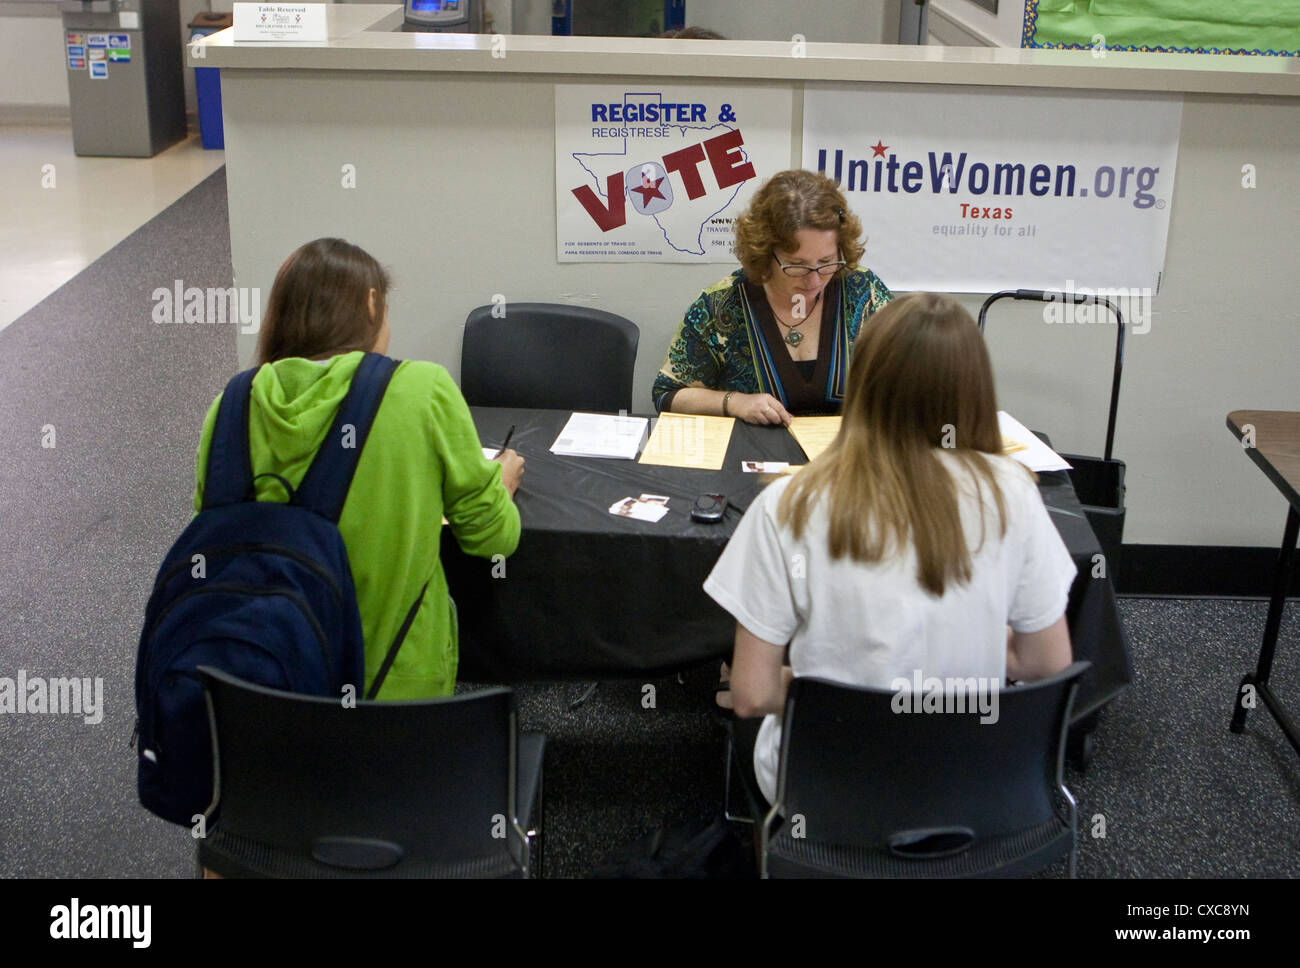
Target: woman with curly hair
[(775, 338)]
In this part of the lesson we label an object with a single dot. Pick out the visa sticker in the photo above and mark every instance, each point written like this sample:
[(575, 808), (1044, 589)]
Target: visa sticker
[(97, 40)]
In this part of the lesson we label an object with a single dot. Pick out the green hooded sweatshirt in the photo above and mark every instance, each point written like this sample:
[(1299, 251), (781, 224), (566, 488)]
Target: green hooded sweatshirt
[(421, 462)]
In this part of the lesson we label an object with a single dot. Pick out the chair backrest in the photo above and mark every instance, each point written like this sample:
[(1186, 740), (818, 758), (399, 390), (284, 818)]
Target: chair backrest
[(871, 768), (548, 356), (315, 777)]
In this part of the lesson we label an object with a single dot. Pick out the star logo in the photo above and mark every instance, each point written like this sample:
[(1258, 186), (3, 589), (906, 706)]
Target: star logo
[(879, 149), (648, 191)]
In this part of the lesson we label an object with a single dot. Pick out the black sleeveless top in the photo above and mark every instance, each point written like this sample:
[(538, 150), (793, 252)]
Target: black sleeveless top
[(804, 380)]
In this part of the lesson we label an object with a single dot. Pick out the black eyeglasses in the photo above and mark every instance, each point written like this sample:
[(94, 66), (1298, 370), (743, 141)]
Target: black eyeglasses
[(798, 271)]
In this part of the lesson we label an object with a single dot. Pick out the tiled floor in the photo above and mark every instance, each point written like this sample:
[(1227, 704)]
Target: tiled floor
[(61, 212)]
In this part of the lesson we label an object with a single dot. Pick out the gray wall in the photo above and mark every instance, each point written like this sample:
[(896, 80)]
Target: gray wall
[(32, 81), (462, 210)]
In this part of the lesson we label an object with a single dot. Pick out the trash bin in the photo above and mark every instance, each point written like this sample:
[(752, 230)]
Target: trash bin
[(207, 81), (125, 87)]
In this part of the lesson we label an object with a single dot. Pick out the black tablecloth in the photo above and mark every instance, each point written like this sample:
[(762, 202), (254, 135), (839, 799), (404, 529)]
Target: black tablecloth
[(589, 594)]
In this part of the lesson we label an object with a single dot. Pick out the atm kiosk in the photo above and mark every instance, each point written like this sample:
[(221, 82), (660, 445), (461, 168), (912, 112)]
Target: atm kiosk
[(126, 91), (444, 16)]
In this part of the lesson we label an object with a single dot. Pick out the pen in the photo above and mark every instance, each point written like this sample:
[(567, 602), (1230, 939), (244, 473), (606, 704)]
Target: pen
[(506, 442)]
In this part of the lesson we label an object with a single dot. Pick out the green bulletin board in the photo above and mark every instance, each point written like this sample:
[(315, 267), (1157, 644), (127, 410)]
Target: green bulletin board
[(1266, 27)]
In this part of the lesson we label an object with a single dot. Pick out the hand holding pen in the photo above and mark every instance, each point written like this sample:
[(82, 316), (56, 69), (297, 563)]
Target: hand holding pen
[(505, 443), (512, 465)]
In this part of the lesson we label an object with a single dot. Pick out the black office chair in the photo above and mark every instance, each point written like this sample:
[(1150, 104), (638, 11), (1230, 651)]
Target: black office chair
[(548, 356), (552, 357), (869, 792), (306, 787)]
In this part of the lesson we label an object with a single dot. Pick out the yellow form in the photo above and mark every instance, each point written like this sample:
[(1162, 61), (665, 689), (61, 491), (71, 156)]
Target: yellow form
[(814, 433), (689, 440)]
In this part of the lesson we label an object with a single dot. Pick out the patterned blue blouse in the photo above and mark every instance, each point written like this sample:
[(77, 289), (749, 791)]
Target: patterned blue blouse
[(729, 341)]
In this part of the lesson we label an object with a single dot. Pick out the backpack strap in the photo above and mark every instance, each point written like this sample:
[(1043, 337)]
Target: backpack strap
[(229, 475), (387, 664), (324, 487)]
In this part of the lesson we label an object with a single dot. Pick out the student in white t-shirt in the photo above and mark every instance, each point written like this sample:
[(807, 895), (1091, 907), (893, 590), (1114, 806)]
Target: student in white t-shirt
[(910, 545)]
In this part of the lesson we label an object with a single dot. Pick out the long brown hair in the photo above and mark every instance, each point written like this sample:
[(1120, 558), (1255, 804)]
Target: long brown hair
[(320, 302), (920, 380), (784, 204)]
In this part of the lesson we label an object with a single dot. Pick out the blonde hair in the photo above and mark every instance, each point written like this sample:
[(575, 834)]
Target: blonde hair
[(920, 379), (787, 202)]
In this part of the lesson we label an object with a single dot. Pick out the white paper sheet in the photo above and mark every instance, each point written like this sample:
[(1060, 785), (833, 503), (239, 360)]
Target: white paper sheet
[(601, 435), (1037, 456)]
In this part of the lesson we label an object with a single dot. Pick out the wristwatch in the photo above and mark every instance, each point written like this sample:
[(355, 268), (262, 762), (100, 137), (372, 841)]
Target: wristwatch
[(725, 398)]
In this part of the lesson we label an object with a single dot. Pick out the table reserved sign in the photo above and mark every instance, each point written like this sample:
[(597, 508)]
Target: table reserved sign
[(280, 21)]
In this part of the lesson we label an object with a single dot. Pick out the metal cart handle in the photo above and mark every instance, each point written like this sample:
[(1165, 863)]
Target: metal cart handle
[(1040, 295)]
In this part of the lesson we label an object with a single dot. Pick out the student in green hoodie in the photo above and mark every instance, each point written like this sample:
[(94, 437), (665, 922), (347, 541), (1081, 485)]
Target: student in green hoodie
[(422, 461)]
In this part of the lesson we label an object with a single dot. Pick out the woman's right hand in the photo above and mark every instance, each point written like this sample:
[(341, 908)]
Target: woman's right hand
[(512, 469), (758, 408)]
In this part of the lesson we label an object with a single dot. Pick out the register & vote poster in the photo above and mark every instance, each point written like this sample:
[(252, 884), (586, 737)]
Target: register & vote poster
[(659, 172), (983, 190)]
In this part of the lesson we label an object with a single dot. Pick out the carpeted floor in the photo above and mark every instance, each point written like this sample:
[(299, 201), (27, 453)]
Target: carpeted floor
[(86, 522)]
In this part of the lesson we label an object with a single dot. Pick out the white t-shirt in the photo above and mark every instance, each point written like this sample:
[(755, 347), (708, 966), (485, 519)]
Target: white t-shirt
[(868, 624)]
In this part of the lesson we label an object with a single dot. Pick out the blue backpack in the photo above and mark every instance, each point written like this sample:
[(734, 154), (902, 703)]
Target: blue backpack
[(260, 590)]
